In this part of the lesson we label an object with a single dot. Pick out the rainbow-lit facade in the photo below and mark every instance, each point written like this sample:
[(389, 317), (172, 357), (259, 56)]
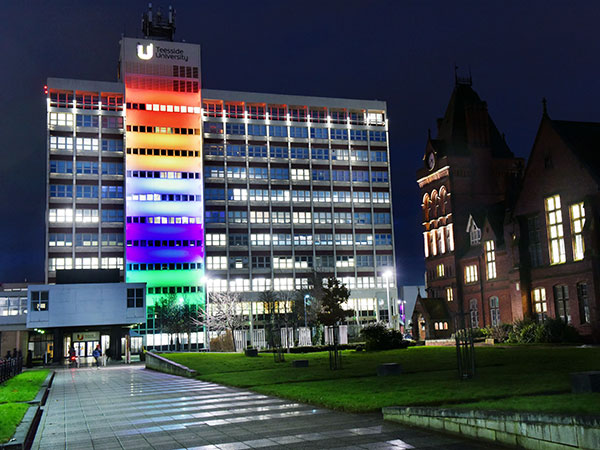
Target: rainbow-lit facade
[(163, 179)]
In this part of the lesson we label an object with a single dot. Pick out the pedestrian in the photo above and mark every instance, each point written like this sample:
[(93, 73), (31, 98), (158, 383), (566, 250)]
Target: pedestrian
[(97, 353)]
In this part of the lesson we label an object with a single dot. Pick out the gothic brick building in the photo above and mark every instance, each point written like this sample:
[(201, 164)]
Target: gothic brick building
[(502, 243)]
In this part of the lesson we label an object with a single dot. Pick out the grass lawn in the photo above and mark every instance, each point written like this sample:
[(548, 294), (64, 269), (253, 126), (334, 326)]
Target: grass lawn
[(11, 415), (22, 388), (429, 376)]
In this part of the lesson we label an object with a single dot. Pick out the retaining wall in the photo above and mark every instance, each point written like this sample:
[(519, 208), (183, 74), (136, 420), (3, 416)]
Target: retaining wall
[(526, 430), (160, 364)]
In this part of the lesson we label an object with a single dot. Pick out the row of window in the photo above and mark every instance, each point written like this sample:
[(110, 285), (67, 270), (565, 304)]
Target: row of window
[(164, 198), (165, 220), (162, 130), (221, 240), (163, 174), (175, 289), (164, 266), (84, 239), (85, 191), (298, 262), (86, 167), (163, 152), (297, 174), (80, 144), (106, 102), (164, 108), (283, 195), (561, 303), (163, 243), (85, 263), (65, 215), (239, 110), (439, 241), (281, 217), (261, 151), (241, 129), (259, 284), (84, 120)]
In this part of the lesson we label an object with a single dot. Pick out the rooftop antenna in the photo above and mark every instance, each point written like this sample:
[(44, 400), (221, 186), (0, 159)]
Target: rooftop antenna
[(156, 26)]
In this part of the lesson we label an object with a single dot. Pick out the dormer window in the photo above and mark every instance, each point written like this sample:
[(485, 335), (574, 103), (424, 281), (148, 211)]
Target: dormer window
[(475, 235)]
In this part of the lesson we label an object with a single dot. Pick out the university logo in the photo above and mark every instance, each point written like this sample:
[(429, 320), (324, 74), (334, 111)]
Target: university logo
[(145, 53)]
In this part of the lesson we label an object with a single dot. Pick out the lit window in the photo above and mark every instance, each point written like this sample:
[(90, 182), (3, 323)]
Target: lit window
[(471, 274), (555, 230), (440, 270), (490, 258), (577, 223), (450, 238), (540, 306), (216, 262), (426, 244), (449, 294), (441, 240), (475, 235)]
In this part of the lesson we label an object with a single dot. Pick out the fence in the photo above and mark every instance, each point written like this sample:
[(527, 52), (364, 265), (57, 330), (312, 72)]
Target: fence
[(9, 368)]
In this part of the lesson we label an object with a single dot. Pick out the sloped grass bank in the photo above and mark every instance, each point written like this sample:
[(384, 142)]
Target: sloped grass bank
[(13, 395), (521, 373)]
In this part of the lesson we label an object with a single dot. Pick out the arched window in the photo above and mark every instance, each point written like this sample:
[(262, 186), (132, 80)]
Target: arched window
[(474, 313), (495, 311), (443, 200), (434, 204), (426, 206)]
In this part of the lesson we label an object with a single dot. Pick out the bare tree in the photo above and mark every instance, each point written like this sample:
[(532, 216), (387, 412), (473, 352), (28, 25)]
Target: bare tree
[(224, 314)]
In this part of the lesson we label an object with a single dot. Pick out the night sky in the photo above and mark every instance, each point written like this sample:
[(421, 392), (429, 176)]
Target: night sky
[(402, 52)]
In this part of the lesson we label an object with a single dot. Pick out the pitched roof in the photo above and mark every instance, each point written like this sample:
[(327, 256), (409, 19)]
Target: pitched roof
[(452, 138), (435, 307), (584, 139)]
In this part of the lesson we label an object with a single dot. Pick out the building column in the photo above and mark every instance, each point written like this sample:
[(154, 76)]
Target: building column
[(115, 343), (58, 345)]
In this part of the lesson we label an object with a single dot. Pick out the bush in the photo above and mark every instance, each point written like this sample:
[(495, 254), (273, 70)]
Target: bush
[(379, 337), (222, 343), (499, 333), (320, 348), (556, 331)]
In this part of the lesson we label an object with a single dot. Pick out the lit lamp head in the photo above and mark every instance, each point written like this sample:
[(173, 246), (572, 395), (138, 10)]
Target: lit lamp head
[(388, 274)]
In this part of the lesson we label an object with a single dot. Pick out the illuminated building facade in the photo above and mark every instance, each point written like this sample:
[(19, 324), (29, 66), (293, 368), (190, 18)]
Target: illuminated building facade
[(286, 186)]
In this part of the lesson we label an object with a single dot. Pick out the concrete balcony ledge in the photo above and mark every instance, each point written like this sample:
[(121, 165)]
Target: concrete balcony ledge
[(160, 364), (522, 429)]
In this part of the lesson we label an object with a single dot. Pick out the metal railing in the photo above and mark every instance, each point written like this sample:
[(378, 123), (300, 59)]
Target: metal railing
[(9, 368)]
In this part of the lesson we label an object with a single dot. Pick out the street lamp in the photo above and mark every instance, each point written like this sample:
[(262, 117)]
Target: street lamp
[(306, 301), (205, 281), (387, 275)]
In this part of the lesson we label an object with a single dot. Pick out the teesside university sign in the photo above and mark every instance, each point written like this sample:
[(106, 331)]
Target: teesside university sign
[(147, 52)]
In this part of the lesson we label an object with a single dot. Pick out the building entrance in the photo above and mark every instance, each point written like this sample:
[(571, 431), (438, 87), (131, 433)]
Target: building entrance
[(85, 348)]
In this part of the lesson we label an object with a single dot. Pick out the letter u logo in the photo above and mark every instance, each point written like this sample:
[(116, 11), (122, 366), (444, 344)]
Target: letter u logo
[(146, 53)]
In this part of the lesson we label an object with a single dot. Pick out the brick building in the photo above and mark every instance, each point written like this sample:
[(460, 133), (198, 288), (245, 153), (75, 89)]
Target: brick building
[(502, 243)]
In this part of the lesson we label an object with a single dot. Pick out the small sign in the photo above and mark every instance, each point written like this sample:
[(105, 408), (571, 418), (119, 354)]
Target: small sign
[(86, 336)]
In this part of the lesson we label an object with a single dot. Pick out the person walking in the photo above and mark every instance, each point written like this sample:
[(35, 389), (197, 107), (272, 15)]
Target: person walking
[(97, 353)]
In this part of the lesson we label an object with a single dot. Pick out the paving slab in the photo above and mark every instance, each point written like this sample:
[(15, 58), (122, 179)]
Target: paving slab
[(129, 407)]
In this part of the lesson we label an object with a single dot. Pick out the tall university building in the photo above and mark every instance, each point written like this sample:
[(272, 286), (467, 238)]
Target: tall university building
[(193, 190)]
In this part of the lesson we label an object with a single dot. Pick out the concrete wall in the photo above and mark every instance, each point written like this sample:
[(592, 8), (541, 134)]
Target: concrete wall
[(526, 430), (72, 305), (160, 364)]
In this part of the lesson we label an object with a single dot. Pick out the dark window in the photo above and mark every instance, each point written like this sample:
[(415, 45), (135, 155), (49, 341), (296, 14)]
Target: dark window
[(561, 302), (39, 300), (535, 245), (584, 303), (135, 297)]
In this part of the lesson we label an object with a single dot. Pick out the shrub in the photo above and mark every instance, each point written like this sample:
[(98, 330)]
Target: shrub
[(556, 331), (499, 333), (379, 337), (222, 343)]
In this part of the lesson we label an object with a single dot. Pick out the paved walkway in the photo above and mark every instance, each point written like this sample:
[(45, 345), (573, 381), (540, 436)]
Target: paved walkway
[(133, 408)]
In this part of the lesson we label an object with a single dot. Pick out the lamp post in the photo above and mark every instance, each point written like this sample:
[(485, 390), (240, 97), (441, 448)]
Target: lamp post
[(387, 274), (205, 280), (306, 301)]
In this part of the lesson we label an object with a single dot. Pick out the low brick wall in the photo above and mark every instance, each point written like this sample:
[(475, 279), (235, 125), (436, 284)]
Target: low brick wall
[(526, 430), (160, 364)]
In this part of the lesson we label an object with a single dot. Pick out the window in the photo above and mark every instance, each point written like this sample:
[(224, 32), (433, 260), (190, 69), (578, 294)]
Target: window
[(320, 175), (382, 218), (260, 173), (112, 215), (87, 215), (318, 133), (277, 131), (86, 144), (339, 134), (449, 294), (257, 151), (112, 168), (112, 239), (59, 143), (440, 270), (584, 303), (238, 240), (61, 119), (90, 191), (383, 239), (358, 135), (60, 239), (216, 239), (214, 194), (135, 297), (214, 149), (300, 174), (377, 156), (88, 168), (377, 136), (112, 122), (299, 132), (561, 303), (279, 152), (238, 262), (364, 260), (554, 223), (235, 128), (110, 191), (577, 223), (214, 216), (535, 245), (280, 174), (299, 153), (340, 175), (87, 240), (216, 262), (236, 150), (359, 155), (379, 177), (320, 153), (61, 190), (238, 216), (254, 130), (495, 311), (475, 235), (87, 121), (360, 175), (60, 215), (39, 300), (490, 259), (112, 145), (261, 262), (61, 166), (474, 313), (283, 262), (471, 274), (236, 172), (384, 260), (539, 303)]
